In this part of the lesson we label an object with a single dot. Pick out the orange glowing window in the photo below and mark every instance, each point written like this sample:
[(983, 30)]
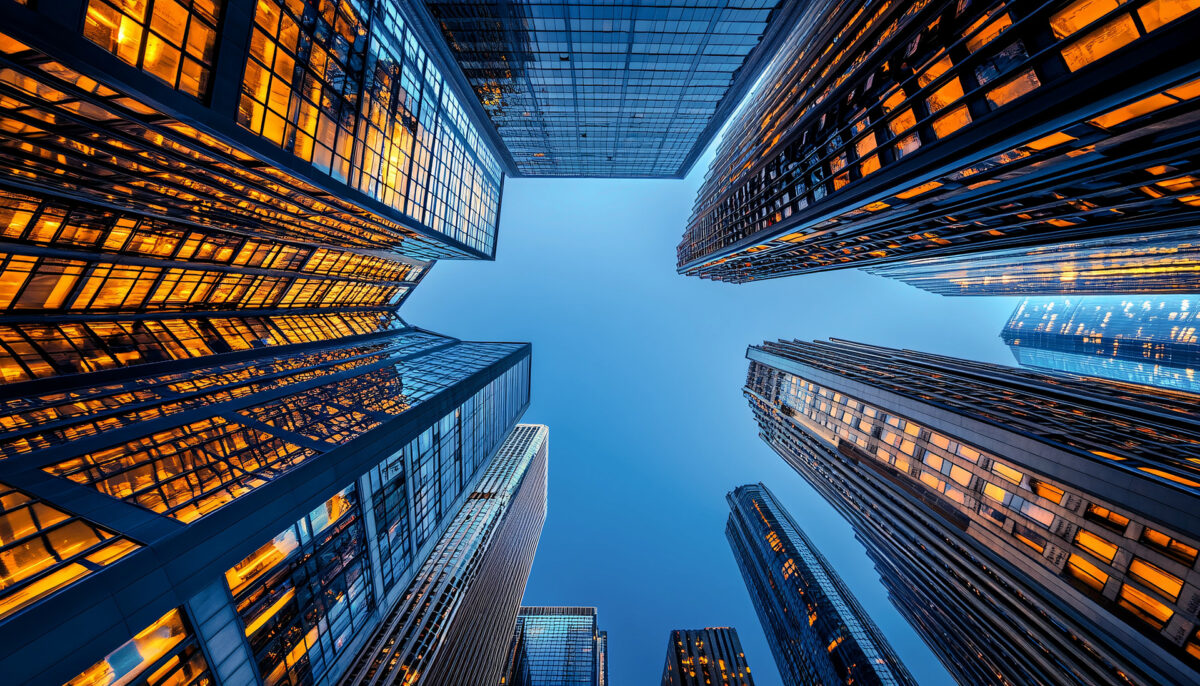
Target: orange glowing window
[(175, 40), (951, 121), (868, 166), (1095, 545), (1105, 40), (1010, 90), (989, 32), (1046, 142), (908, 144), (1159, 13), (1169, 546), (1077, 15), (914, 192), (1157, 578), (1133, 110), (902, 121), (44, 549), (1080, 569), (1047, 491), (1144, 606), (140, 653), (944, 96)]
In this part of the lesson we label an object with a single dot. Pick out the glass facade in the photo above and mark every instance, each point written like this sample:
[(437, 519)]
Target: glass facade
[(163, 654), (334, 128), (698, 657), (1022, 547), (1135, 339), (603, 88), (887, 131), (557, 646), (817, 630), (1159, 262), (454, 622)]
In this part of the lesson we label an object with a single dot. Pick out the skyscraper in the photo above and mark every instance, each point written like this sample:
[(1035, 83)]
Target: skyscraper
[(610, 89), (223, 453), (883, 132), (818, 632), (454, 623), (1165, 262), (264, 506), (713, 655), (557, 646), (1147, 339), (1033, 527)]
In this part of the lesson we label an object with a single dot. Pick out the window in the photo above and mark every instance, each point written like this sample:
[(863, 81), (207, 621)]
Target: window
[(1162, 581), (1047, 491), (1087, 573), (1106, 518), (44, 549), (1169, 546), (1008, 473), (166, 647), (1095, 545), (174, 40), (1144, 606)]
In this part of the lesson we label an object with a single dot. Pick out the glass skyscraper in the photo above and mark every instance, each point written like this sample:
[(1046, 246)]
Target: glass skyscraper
[(698, 657), (223, 455), (1165, 262), (557, 646), (610, 89), (818, 632), (1032, 527), (885, 131), (453, 625), (1146, 339)]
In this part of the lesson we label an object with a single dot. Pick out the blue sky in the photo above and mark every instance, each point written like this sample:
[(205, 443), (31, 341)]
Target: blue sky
[(638, 373)]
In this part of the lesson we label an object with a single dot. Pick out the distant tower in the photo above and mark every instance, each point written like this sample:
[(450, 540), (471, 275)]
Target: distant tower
[(818, 632), (557, 646), (698, 657), (1148, 339)]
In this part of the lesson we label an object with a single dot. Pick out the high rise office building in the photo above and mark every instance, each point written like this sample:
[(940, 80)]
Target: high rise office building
[(557, 646), (610, 89), (224, 455), (696, 657), (885, 131), (1146, 339), (818, 632), (1033, 527), (453, 625), (1166, 262)]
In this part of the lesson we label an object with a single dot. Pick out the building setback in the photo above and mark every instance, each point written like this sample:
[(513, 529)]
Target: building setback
[(883, 132), (1032, 527), (712, 655), (817, 630), (610, 89), (557, 646), (1166, 262), (454, 623), (1147, 339)]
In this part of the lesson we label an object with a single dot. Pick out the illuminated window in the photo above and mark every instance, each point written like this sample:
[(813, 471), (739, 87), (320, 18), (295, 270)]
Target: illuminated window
[(1107, 518), (1159, 13), (1014, 88), (188, 471), (1029, 537), (1007, 473), (952, 121), (175, 40), (163, 651), (43, 549), (1156, 578), (1170, 546), (1086, 572), (1095, 545), (1144, 606), (1045, 490)]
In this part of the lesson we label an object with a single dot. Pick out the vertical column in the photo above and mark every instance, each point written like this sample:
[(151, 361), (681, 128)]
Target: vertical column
[(222, 636)]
